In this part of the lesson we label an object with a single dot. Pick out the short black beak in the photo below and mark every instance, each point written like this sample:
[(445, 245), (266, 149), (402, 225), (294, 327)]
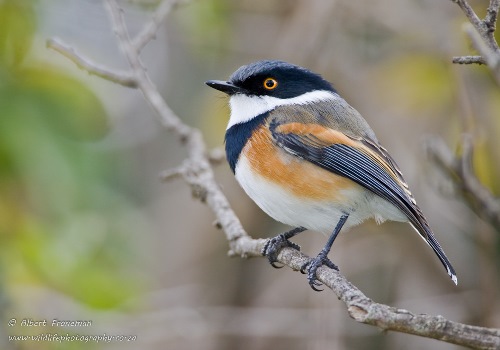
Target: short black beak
[(226, 87)]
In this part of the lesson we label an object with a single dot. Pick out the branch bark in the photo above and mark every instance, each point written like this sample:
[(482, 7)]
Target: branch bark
[(92, 68), (489, 56), (482, 35), (468, 60), (197, 172), (486, 28)]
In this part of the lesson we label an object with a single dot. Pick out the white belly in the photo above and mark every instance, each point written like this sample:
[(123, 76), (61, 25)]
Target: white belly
[(315, 215)]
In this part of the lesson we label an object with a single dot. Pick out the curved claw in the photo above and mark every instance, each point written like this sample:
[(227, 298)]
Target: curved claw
[(273, 264), (312, 266), (313, 287), (303, 268), (274, 245), (314, 283)]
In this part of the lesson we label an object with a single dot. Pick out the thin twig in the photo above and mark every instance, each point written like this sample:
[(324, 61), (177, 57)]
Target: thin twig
[(483, 37), (92, 68), (479, 198), (173, 173), (469, 13), (468, 60), (200, 174), (491, 57), (167, 117), (486, 27), (149, 31), (492, 15)]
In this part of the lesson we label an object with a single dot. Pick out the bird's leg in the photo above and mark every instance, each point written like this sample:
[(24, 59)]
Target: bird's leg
[(274, 245), (322, 259)]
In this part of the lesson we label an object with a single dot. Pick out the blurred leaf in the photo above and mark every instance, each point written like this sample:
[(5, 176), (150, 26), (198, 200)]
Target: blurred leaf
[(207, 24), (59, 206), (64, 223), (76, 110), (78, 257), (59, 203), (416, 82), (17, 28)]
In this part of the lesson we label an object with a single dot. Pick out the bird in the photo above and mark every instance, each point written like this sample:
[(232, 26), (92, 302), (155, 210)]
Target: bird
[(311, 161)]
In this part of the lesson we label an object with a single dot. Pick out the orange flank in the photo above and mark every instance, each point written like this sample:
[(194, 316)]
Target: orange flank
[(288, 171)]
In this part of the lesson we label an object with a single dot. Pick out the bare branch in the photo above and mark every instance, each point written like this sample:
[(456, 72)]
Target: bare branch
[(122, 78), (173, 173), (492, 15), (486, 27), (149, 31), (469, 12), (167, 117), (198, 174), (364, 310), (491, 57), (468, 60), (482, 34), (479, 198)]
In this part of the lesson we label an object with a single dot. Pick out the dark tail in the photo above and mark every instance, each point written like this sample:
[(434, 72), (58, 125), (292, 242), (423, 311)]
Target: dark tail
[(434, 244), (431, 240)]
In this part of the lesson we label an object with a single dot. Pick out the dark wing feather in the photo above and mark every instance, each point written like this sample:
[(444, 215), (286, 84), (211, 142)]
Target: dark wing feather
[(365, 169)]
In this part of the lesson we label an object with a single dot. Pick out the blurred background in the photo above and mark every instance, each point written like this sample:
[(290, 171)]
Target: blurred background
[(88, 232)]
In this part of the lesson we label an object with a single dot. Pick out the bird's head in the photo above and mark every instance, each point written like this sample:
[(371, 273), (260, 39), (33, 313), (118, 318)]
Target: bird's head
[(261, 86)]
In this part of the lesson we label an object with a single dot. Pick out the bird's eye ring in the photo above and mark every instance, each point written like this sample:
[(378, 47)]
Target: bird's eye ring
[(270, 84)]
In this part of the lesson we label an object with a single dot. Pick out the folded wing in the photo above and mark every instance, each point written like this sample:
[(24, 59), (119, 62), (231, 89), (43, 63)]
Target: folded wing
[(363, 161)]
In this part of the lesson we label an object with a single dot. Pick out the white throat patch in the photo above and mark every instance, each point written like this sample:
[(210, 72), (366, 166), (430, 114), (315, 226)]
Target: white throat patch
[(245, 108)]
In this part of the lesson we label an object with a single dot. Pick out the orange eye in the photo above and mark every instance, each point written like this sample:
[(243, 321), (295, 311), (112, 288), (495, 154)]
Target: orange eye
[(270, 84)]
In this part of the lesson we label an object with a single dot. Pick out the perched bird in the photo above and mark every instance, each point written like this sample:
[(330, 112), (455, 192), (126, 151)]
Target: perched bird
[(310, 160)]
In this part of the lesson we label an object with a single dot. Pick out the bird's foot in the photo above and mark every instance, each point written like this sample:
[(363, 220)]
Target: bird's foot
[(273, 247), (312, 266)]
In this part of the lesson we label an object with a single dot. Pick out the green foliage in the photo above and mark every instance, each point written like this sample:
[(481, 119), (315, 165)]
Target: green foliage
[(60, 210), (207, 24), (423, 83), (17, 28)]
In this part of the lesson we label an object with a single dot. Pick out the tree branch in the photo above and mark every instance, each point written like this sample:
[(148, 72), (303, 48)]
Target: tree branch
[(486, 28), (198, 174), (167, 117), (122, 78), (468, 60), (469, 13), (491, 16), (482, 34), (491, 57), (149, 31), (478, 197)]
